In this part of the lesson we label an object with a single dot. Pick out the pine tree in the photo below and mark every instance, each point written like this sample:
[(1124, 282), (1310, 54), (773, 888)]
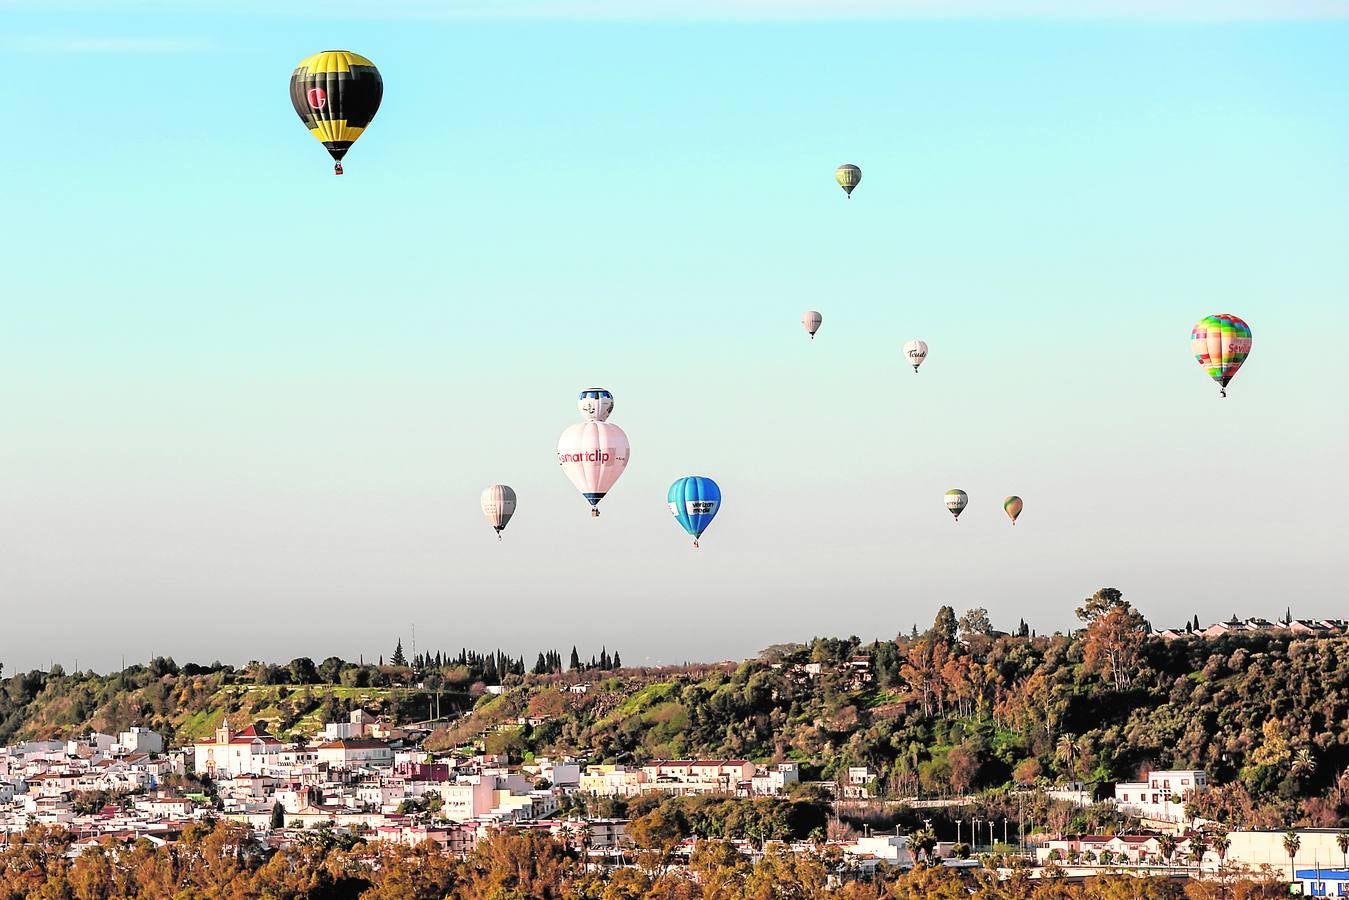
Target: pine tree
[(540, 665), (398, 658), (575, 664), (604, 659), (617, 663), (1288, 616)]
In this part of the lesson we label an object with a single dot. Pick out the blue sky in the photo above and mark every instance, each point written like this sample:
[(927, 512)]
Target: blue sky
[(249, 407)]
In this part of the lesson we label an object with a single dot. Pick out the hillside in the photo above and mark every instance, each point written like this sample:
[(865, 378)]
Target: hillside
[(958, 709)]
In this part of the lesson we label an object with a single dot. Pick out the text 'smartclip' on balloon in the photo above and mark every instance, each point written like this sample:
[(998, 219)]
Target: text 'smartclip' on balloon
[(811, 321), (594, 452)]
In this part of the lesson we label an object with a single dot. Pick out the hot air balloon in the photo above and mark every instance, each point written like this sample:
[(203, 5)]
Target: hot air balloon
[(915, 352), (595, 404), (694, 500), (593, 454), (336, 93), (811, 319), (1221, 343), (498, 505), (1012, 506), (956, 500), (848, 177)]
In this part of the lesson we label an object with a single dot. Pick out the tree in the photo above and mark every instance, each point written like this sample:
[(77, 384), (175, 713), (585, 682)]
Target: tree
[(945, 627), (924, 843), (1166, 846), (1114, 632), (974, 622), (1221, 844), (1198, 847), (616, 663), (1291, 845), (398, 659), (575, 663), (540, 666), (278, 816), (1303, 764), (1342, 841)]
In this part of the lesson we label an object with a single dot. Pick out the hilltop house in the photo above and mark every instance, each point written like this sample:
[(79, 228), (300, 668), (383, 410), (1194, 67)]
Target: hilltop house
[(1161, 797)]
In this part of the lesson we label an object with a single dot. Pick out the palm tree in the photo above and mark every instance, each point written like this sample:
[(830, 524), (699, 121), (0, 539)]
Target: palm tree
[(1221, 844), (1303, 763), (1066, 751), (1342, 841), (1166, 845), (1291, 845), (1198, 847)]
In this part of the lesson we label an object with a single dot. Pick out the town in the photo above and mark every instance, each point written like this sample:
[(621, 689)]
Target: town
[(375, 780)]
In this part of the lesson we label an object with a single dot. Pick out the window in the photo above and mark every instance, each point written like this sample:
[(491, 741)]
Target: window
[(1185, 781)]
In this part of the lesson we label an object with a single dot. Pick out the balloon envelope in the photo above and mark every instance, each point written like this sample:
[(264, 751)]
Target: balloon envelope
[(694, 500), (1221, 343), (848, 177), (812, 321), (595, 404), (956, 500), (336, 93), (915, 352), (593, 455), (1012, 506), (498, 505)]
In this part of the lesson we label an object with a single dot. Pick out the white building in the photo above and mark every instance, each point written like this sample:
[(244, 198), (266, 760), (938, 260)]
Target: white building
[(467, 799), (890, 849), (140, 740), (1162, 796), (353, 752), (774, 779), (235, 753)]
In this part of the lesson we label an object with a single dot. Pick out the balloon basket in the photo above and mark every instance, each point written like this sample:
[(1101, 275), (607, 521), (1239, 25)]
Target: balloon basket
[(337, 169), (594, 513)]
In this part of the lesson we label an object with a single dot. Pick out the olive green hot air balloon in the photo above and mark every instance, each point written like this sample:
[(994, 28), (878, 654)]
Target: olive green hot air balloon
[(336, 93), (848, 177)]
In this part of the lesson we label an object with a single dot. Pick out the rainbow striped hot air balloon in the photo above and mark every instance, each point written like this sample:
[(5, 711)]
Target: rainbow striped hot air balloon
[(1221, 343)]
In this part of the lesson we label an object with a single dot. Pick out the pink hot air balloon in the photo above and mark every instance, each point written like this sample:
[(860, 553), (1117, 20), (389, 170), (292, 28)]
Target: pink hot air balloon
[(593, 454)]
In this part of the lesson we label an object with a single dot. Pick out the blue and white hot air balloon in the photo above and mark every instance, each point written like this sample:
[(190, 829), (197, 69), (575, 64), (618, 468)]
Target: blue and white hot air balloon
[(694, 500)]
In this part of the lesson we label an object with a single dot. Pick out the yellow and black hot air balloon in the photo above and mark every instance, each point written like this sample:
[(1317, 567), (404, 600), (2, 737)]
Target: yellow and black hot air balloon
[(336, 93)]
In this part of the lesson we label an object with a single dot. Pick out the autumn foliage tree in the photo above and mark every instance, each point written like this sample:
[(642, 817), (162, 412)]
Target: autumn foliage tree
[(1115, 632)]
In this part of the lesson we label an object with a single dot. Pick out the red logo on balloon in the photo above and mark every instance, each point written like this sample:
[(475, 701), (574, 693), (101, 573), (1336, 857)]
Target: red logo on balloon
[(318, 98)]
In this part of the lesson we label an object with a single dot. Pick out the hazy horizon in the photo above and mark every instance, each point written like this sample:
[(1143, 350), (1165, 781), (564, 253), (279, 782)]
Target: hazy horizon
[(249, 407)]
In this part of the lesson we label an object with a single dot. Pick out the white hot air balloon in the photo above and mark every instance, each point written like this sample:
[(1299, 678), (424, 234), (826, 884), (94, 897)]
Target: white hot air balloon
[(593, 454), (595, 404), (811, 320), (915, 352), (498, 505)]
